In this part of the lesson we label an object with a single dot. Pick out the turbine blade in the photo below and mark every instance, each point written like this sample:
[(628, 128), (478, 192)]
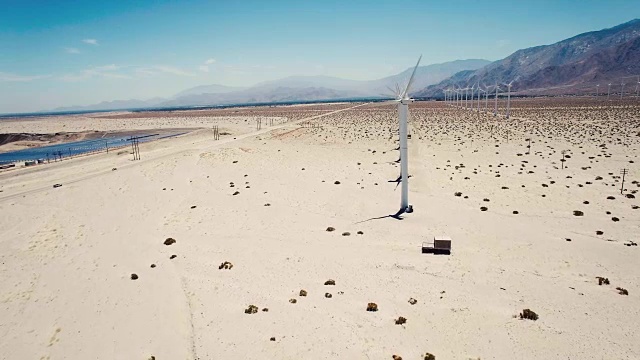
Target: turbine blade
[(406, 89)]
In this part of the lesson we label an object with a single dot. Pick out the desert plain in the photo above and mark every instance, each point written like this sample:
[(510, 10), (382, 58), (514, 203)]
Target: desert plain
[(201, 249)]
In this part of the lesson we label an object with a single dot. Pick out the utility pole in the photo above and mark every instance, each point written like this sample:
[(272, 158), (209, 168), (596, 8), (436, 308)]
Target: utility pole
[(134, 146), (529, 146), (563, 159), (623, 172), (106, 144)]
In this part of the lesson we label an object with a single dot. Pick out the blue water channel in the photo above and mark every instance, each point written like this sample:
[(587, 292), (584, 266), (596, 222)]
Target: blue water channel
[(64, 150)]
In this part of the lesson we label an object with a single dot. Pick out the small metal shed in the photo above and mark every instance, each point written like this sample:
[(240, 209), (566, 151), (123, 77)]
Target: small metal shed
[(441, 245)]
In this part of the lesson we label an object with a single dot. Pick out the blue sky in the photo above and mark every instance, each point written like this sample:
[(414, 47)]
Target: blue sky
[(62, 53)]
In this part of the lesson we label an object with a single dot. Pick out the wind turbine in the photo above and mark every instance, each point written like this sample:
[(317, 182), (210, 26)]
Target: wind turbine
[(597, 88), (622, 91), (608, 91), (403, 100), (479, 89), (453, 96), (454, 100), (495, 110), (472, 88), (486, 97), (466, 92), (509, 97)]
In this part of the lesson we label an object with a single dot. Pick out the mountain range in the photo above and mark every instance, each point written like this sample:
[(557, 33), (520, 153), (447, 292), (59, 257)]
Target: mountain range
[(294, 88), (571, 66)]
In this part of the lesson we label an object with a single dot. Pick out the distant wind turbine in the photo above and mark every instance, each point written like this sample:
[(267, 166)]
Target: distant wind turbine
[(466, 93), (472, 91), (454, 99), (486, 97), (509, 98), (622, 91), (495, 110), (608, 91), (479, 90)]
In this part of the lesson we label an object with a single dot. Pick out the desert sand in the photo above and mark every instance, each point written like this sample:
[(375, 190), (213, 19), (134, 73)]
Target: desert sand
[(263, 201)]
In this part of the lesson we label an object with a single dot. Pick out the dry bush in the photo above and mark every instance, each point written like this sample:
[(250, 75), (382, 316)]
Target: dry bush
[(528, 314)]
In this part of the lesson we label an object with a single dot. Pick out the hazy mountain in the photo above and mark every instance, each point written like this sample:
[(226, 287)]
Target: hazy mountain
[(429, 74), (293, 88), (569, 66), (115, 105), (260, 95), (311, 81), (303, 88), (207, 89)]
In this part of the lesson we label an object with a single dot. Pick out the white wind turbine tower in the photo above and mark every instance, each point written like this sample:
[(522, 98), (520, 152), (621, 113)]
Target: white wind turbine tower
[(597, 90), (472, 88), (451, 96), (486, 97), (509, 98), (466, 93), (622, 91), (403, 100), (454, 98), (455, 103), (608, 91), (479, 90), (495, 109)]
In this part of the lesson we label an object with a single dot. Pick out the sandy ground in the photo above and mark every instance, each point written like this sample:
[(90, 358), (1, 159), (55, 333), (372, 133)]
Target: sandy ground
[(69, 253), (83, 123), (229, 120)]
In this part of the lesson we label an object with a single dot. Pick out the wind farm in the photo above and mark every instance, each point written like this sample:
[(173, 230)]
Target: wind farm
[(294, 228)]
